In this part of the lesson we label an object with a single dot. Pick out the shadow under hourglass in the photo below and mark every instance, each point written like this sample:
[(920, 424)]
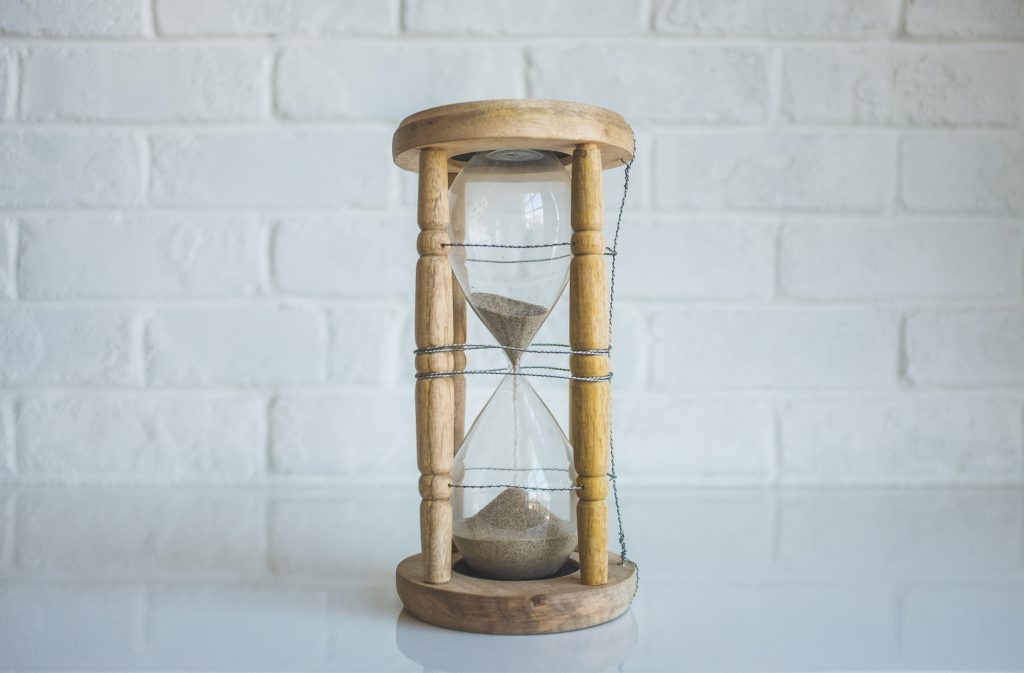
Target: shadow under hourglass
[(598, 648)]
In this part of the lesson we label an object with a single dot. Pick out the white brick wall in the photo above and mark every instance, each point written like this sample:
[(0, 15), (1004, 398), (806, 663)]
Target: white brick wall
[(113, 83), (774, 18), (172, 256), (270, 17), (207, 257), (54, 167)]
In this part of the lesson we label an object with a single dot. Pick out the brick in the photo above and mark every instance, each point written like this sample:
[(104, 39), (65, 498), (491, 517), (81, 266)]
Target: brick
[(114, 83), (269, 17), (895, 85), (613, 182), (722, 259), (118, 18), (71, 346), (7, 73), (773, 348), (630, 345), (355, 360), (676, 434), (302, 169), (312, 537), (963, 172), (966, 18), (257, 344), (784, 171), (706, 84), (7, 505), (69, 168), (8, 262), (367, 436), (902, 440), (966, 347), (135, 437), (307, 253), (127, 533), (529, 17), (50, 625), (779, 18), (898, 259), (973, 626), (304, 72), (194, 626), (171, 256), (899, 534), (7, 458)]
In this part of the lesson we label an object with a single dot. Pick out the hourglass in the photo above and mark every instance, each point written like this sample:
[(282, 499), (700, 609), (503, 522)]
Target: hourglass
[(514, 525)]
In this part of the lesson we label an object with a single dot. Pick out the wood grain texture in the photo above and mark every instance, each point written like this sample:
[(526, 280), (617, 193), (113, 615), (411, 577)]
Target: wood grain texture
[(553, 125), (516, 608), (589, 401), (435, 398)]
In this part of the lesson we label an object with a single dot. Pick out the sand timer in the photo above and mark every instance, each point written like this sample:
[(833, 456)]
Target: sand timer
[(524, 506)]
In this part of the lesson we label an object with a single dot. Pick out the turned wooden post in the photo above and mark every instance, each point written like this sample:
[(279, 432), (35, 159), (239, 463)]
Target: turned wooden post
[(435, 398), (588, 330)]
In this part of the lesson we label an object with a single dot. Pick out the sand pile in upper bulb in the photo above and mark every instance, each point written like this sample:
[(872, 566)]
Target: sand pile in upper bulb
[(512, 322)]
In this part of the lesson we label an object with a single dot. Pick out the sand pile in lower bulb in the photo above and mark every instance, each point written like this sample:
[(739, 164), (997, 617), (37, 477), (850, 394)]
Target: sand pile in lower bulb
[(515, 538), (512, 322)]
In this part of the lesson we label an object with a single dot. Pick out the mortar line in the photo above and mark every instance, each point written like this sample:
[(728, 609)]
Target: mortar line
[(148, 18)]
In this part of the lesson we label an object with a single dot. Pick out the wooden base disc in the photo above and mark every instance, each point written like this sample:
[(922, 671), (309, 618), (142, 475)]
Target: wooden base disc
[(515, 608)]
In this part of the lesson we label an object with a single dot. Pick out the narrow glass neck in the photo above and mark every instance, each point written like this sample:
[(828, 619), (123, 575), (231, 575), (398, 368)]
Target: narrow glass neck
[(514, 358)]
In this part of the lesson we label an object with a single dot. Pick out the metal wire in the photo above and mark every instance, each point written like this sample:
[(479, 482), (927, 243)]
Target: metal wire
[(511, 372), (509, 246), (517, 469), (610, 475), (503, 245), (623, 557), (564, 349), (521, 488), (518, 261)]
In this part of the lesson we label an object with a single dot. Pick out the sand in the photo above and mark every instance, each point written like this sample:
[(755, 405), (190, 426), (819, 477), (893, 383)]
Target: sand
[(515, 538), (512, 322)]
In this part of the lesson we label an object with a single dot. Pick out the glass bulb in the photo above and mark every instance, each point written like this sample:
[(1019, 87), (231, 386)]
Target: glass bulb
[(518, 529), (511, 198), (510, 231)]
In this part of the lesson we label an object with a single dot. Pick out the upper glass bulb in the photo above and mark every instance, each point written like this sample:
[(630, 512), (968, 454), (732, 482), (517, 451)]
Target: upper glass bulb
[(502, 201)]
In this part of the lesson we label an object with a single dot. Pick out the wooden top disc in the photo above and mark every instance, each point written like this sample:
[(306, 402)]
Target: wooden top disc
[(464, 128)]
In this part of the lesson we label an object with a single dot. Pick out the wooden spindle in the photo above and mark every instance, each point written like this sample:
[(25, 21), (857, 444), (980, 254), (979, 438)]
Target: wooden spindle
[(435, 398), (588, 329)]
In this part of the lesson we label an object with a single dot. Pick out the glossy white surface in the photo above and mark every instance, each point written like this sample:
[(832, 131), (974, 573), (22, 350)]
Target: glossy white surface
[(746, 580)]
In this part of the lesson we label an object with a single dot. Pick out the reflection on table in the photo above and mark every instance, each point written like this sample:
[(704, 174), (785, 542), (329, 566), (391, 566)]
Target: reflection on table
[(108, 578)]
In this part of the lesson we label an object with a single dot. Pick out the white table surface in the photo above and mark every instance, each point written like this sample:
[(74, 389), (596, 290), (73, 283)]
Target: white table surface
[(233, 579)]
